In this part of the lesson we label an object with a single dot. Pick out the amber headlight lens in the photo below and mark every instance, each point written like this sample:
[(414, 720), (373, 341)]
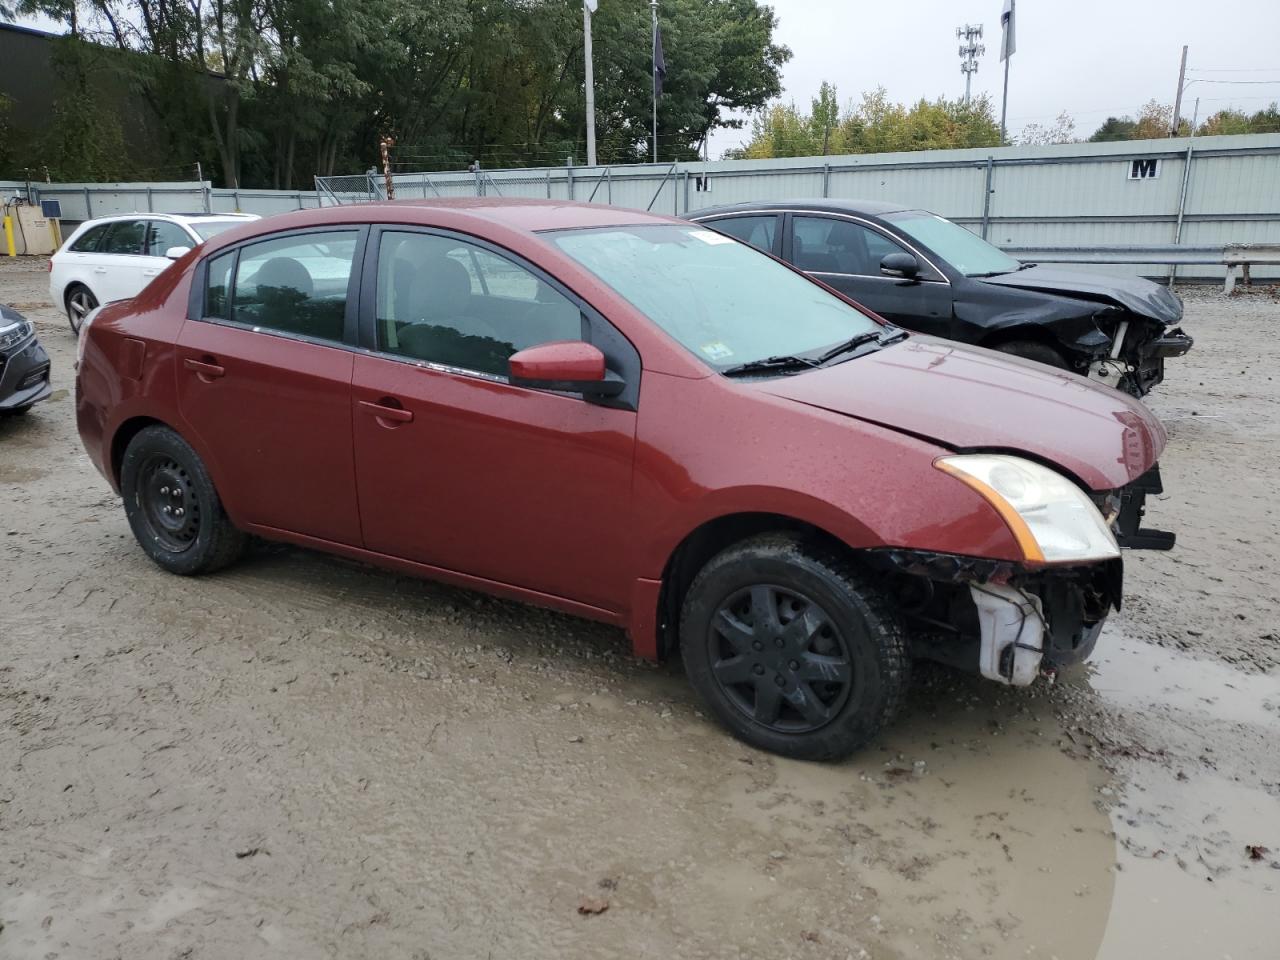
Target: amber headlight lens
[(1053, 520)]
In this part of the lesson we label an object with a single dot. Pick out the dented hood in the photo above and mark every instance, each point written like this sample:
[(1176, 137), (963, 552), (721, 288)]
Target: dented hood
[(1139, 296), (968, 398)]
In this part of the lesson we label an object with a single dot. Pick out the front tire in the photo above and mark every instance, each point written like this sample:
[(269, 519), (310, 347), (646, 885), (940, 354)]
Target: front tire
[(80, 303), (792, 649), (173, 509)]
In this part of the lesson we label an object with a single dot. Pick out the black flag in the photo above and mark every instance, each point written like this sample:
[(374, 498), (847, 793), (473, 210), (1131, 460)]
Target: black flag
[(659, 62)]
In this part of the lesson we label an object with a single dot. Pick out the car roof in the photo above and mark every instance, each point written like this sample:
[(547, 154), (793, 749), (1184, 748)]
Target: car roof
[(525, 216), (867, 208), (170, 215)]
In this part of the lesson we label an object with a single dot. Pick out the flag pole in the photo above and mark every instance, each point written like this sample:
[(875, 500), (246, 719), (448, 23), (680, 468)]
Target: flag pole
[(1004, 102), (591, 84), (653, 4)]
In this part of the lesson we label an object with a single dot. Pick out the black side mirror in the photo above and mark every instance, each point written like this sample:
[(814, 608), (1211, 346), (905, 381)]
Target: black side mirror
[(901, 265)]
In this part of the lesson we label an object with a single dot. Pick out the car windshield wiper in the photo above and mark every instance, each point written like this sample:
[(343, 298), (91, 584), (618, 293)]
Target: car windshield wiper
[(771, 365), (850, 345)]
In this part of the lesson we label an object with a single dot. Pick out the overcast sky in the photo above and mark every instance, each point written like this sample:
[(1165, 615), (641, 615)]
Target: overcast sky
[(1092, 58)]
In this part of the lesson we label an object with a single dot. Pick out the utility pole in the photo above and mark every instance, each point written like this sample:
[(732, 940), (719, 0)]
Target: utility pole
[(1177, 100), (653, 5), (385, 145), (970, 51), (1007, 47), (588, 8)]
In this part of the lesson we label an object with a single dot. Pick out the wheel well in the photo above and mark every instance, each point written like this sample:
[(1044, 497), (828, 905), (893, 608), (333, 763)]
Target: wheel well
[(125, 433), (1013, 334), (704, 543)]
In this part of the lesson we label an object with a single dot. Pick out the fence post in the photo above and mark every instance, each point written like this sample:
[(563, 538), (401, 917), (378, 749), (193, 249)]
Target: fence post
[(686, 193), (608, 181), (826, 180), (569, 172), (150, 208), (548, 183), (986, 197), (479, 180), (88, 205), (1182, 203)]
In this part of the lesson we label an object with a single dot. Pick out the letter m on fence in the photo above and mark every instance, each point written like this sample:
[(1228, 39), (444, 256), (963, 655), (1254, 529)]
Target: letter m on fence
[(1144, 169)]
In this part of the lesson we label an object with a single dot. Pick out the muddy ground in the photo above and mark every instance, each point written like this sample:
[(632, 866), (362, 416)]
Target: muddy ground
[(303, 757)]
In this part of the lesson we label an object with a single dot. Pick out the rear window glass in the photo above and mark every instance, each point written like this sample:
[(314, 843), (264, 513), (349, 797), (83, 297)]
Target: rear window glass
[(88, 241), (215, 298)]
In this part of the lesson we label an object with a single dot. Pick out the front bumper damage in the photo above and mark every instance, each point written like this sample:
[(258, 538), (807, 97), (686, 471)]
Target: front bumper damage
[(1134, 360), (997, 618)]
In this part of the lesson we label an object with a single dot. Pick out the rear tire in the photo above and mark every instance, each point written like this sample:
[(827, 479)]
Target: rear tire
[(793, 650), (1033, 350), (80, 301), (173, 509)]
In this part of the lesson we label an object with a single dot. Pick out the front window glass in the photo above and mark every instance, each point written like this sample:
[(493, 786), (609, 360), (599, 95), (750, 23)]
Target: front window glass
[(163, 235), (966, 252), (211, 228), (450, 302), (832, 245), (127, 237), (296, 284), (723, 300)]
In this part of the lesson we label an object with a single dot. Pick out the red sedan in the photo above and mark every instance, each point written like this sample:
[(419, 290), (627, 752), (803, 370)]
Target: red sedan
[(632, 419)]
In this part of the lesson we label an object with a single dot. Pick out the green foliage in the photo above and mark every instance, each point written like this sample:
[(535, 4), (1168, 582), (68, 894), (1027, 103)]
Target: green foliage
[(874, 125), (309, 86), (84, 140)]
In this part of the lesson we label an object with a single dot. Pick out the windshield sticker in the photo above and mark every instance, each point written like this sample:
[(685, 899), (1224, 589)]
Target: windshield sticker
[(711, 237), (716, 351)]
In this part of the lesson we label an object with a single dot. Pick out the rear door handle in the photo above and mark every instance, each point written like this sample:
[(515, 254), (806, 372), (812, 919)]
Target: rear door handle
[(206, 371), (384, 412)]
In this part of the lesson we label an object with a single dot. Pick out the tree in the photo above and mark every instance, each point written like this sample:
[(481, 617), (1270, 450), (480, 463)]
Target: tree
[(874, 125), (1063, 130), (1114, 128)]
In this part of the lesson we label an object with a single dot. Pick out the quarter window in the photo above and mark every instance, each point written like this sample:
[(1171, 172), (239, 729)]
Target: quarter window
[(219, 283), (828, 245), (161, 235), (296, 285), (454, 303), (757, 231), (88, 241), (126, 237)]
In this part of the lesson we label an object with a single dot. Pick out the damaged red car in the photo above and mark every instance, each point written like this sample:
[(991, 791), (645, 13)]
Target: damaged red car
[(633, 419)]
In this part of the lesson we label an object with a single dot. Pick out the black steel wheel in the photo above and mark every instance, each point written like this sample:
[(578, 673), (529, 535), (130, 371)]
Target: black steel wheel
[(172, 506), (80, 303), (793, 650)]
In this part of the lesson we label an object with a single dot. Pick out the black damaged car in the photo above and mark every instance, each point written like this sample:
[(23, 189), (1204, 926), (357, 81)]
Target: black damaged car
[(24, 366), (928, 274)]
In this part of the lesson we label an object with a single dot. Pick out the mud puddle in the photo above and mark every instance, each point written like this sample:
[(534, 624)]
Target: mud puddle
[(1196, 811)]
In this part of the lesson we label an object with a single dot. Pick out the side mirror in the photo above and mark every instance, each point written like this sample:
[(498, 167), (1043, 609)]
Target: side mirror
[(177, 253), (569, 366), (902, 265)]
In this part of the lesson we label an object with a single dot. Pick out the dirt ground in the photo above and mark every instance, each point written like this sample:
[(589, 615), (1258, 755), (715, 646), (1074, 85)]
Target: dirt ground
[(302, 757)]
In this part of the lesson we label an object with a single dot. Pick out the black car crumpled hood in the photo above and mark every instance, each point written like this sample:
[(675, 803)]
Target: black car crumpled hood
[(1139, 296)]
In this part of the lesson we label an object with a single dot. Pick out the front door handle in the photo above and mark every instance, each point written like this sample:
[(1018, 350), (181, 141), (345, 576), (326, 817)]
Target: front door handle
[(386, 414), (206, 370)]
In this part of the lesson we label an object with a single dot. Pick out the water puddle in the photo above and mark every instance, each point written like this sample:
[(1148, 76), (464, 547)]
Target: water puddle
[(1203, 792)]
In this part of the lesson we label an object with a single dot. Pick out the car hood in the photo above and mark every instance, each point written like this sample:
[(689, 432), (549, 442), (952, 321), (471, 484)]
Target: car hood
[(968, 399), (1139, 296)]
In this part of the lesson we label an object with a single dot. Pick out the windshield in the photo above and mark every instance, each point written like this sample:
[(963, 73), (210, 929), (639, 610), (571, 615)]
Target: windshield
[(210, 228), (725, 301), (965, 251)]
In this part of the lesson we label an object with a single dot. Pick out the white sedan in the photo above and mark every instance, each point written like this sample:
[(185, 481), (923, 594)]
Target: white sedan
[(113, 258)]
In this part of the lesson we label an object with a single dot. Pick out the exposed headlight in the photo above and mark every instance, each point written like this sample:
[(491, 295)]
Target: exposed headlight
[(12, 334), (1053, 520)]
